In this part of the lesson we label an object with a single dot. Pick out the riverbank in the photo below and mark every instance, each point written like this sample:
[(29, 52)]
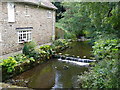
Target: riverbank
[(45, 53), (55, 73), (4, 85), (53, 49)]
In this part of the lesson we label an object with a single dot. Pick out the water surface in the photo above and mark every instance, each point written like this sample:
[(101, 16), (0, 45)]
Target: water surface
[(54, 73)]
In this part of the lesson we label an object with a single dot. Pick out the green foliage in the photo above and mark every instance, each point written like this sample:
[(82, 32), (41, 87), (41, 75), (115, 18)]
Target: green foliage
[(59, 11), (64, 33), (69, 35), (102, 24), (20, 58), (30, 50), (80, 17), (9, 64), (104, 74), (60, 42), (105, 48), (75, 18), (29, 47), (37, 54), (47, 48)]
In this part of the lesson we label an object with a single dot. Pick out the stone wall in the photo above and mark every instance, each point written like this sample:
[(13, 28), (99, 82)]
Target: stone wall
[(43, 27), (0, 28)]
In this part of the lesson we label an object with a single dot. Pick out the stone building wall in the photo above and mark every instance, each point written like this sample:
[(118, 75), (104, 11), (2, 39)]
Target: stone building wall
[(0, 29), (43, 27)]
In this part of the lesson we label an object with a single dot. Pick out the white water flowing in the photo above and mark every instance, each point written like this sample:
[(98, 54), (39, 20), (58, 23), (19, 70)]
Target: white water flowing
[(75, 62)]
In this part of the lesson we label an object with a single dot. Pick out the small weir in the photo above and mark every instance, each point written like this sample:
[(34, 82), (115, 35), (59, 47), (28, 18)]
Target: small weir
[(78, 61)]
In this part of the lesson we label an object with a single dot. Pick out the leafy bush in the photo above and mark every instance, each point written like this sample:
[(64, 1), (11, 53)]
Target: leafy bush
[(9, 64), (105, 48), (29, 47), (105, 72), (46, 48), (103, 75), (69, 35), (20, 58), (60, 42)]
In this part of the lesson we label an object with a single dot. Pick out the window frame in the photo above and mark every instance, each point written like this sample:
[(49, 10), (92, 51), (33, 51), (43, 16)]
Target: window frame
[(27, 33)]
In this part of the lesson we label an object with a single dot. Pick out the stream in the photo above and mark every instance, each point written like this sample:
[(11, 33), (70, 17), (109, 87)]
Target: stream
[(55, 73)]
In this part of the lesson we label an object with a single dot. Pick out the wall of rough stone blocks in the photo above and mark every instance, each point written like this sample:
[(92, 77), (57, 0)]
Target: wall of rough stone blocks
[(0, 28), (43, 27)]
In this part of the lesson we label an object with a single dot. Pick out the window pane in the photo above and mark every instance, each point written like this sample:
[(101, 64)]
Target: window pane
[(24, 35)]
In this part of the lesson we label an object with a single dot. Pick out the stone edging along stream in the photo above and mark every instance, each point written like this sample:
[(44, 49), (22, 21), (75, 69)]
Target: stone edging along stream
[(20, 68)]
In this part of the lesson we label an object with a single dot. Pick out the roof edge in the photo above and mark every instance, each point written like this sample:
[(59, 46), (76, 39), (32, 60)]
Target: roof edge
[(35, 2)]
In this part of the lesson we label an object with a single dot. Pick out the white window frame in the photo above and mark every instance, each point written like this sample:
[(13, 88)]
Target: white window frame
[(49, 14), (24, 35)]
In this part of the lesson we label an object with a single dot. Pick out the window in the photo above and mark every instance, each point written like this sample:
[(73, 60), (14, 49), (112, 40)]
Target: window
[(26, 10), (11, 12), (24, 36), (49, 14)]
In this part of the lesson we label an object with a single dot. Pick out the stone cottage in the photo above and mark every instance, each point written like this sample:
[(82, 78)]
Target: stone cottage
[(28, 20)]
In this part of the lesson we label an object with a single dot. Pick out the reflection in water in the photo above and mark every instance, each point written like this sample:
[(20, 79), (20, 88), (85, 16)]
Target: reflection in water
[(57, 83), (43, 78), (65, 78), (81, 49), (54, 73)]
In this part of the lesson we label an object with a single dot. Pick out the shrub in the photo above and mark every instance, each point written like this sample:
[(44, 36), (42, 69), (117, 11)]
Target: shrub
[(37, 53), (29, 47), (103, 75), (105, 72), (20, 58), (9, 64), (60, 42), (46, 48), (69, 35), (105, 48)]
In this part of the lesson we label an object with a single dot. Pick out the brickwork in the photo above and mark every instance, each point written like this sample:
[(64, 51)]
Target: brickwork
[(43, 27)]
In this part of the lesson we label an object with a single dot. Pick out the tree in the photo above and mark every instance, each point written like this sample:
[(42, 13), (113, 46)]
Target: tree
[(95, 18), (101, 20), (59, 11)]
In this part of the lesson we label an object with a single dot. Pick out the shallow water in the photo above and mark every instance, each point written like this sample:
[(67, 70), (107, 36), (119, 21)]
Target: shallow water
[(79, 49), (55, 73)]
